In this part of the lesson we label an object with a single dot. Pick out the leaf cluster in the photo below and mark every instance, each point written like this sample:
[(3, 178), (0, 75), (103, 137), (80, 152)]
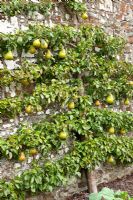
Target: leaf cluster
[(22, 7)]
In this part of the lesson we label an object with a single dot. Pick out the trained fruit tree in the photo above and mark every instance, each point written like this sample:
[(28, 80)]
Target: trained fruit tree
[(77, 79)]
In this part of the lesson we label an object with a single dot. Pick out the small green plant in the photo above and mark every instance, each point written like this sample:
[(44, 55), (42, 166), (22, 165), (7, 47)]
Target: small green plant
[(109, 194)]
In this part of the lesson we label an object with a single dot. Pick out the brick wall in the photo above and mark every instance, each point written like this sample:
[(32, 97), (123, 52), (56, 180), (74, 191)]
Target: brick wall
[(116, 17)]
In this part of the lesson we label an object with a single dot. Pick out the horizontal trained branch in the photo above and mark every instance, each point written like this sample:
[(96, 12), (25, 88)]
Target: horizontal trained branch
[(57, 92), (100, 77), (19, 7), (88, 154), (84, 120), (103, 73), (87, 39)]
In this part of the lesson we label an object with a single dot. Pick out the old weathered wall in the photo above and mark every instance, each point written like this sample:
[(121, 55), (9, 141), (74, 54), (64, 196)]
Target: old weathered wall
[(116, 17)]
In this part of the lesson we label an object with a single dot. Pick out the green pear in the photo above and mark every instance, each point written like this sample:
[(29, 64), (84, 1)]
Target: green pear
[(32, 50), (84, 16), (8, 56), (36, 43), (126, 102), (111, 160), (48, 54), (44, 45), (110, 99), (62, 53), (111, 130)]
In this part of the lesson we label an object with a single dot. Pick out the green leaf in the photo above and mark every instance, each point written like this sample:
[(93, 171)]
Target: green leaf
[(94, 196)]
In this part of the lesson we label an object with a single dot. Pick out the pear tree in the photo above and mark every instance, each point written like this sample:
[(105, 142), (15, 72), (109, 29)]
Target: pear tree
[(80, 87)]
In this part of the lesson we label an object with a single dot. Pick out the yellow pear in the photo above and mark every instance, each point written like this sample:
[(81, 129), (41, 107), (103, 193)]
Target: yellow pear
[(111, 160), (122, 131), (111, 130), (25, 82), (36, 43), (97, 103), (33, 152), (110, 99), (130, 82), (84, 15), (28, 109), (71, 105), (126, 102), (8, 56), (63, 135), (44, 45), (32, 50), (48, 54), (28, 130), (22, 157), (62, 53), (75, 97)]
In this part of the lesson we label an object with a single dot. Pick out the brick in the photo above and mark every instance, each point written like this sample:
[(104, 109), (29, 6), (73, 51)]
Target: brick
[(123, 7), (130, 40), (119, 16)]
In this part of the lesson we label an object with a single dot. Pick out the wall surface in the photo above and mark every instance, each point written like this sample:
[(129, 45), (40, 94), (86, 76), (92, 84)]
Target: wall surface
[(116, 17)]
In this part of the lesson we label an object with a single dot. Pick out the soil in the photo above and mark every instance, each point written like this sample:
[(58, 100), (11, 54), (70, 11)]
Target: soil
[(123, 184)]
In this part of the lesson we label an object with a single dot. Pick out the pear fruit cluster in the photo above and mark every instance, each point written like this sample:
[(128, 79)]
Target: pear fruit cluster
[(42, 44), (37, 43)]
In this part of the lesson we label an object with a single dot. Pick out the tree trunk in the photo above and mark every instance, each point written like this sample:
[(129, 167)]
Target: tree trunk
[(90, 176), (91, 181)]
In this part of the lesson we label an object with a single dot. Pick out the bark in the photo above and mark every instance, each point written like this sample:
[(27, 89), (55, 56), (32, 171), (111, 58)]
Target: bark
[(91, 182)]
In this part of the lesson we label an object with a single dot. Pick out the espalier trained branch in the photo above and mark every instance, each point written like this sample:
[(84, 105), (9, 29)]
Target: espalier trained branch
[(19, 7), (106, 81)]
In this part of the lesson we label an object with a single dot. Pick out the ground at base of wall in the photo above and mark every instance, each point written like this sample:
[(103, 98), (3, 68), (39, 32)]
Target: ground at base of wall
[(80, 196), (123, 184)]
